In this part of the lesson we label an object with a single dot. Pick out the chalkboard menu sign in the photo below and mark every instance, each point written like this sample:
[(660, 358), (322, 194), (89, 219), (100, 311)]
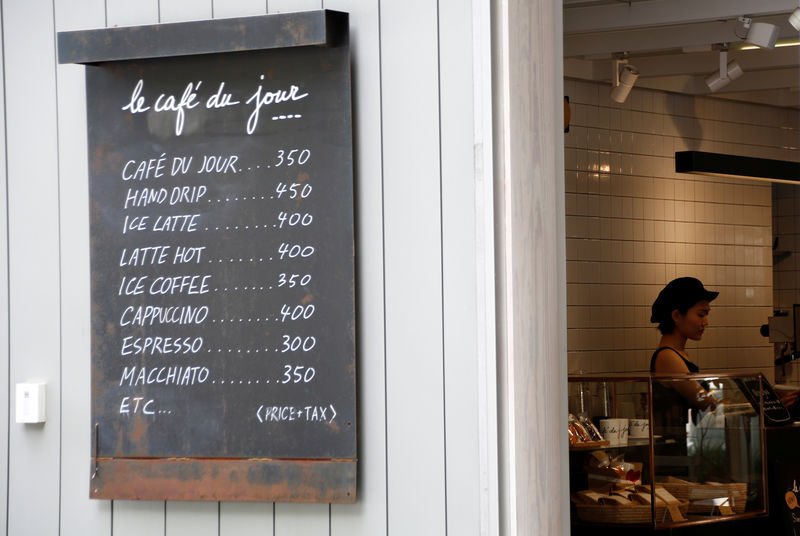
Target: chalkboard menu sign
[(758, 390), (222, 267)]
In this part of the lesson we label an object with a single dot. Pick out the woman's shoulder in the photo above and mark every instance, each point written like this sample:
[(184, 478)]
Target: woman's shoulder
[(668, 359), (666, 349)]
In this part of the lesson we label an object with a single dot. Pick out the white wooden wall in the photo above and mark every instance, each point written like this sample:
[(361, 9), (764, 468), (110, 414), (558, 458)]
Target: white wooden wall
[(424, 254)]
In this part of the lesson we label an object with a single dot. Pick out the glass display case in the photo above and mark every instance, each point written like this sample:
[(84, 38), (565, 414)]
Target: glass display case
[(665, 450)]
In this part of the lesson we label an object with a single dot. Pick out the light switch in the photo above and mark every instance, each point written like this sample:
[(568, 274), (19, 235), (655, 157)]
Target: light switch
[(30, 402)]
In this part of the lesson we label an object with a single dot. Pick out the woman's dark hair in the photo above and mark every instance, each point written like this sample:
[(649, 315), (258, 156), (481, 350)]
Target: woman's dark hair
[(667, 325), (681, 294)]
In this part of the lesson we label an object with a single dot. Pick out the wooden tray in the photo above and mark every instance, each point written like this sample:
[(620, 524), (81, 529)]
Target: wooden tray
[(628, 514), (736, 492)]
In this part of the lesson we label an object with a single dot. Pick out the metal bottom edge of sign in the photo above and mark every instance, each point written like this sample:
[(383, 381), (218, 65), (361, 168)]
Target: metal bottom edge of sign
[(255, 480)]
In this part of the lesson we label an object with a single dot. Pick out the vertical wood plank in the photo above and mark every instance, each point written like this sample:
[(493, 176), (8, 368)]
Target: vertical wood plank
[(184, 10), (368, 516), (79, 514), (485, 229), (192, 518), (413, 263), (5, 309), (246, 519), (32, 163), (460, 266), (136, 518), (298, 519), (239, 8), (285, 6), (127, 13)]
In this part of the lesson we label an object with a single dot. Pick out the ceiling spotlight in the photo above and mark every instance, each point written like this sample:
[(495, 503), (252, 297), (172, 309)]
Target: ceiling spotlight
[(621, 84), (760, 34), (727, 71), (794, 19)]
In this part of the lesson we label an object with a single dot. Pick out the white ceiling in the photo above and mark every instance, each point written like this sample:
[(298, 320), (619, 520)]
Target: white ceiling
[(674, 45)]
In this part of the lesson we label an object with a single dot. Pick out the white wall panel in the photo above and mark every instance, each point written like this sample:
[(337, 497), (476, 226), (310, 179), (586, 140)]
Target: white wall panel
[(301, 519), (459, 268), (5, 311), (79, 514), (32, 163), (413, 269), (186, 518), (79, 14), (184, 10), (131, 12), (200, 518), (286, 6), (368, 516), (246, 519), (138, 518), (239, 8)]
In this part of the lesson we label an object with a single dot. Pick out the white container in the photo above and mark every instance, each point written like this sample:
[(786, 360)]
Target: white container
[(639, 429), (615, 431), (30, 403)]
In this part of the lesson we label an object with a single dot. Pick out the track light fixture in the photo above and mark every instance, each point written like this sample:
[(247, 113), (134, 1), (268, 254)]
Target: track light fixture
[(621, 84), (794, 19), (727, 71), (760, 34)]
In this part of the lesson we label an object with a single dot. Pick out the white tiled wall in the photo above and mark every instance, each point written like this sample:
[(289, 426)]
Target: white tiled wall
[(786, 275), (786, 268), (633, 224)]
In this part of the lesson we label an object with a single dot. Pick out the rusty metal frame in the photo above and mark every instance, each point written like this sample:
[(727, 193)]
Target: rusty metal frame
[(225, 479), (214, 479)]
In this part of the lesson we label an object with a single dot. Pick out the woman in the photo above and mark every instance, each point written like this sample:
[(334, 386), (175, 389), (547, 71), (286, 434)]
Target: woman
[(681, 312)]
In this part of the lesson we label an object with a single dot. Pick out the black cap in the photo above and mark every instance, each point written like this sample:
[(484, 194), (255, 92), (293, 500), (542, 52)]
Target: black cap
[(681, 294)]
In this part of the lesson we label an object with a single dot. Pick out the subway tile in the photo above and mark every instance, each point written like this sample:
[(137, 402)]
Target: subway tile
[(585, 92), (602, 117), (604, 206), (576, 137), (570, 158), (592, 204), (649, 232), (569, 203), (614, 119), (570, 181), (582, 185)]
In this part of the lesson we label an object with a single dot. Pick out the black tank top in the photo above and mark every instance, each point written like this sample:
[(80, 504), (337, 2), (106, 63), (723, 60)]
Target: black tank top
[(670, 408), (691, 366)]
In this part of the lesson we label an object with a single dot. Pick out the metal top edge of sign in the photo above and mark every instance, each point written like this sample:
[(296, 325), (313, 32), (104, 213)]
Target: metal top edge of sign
[(302, 28)]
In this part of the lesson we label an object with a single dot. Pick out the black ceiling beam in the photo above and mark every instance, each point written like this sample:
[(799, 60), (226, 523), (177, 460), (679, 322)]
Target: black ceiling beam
[(702, 163)]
